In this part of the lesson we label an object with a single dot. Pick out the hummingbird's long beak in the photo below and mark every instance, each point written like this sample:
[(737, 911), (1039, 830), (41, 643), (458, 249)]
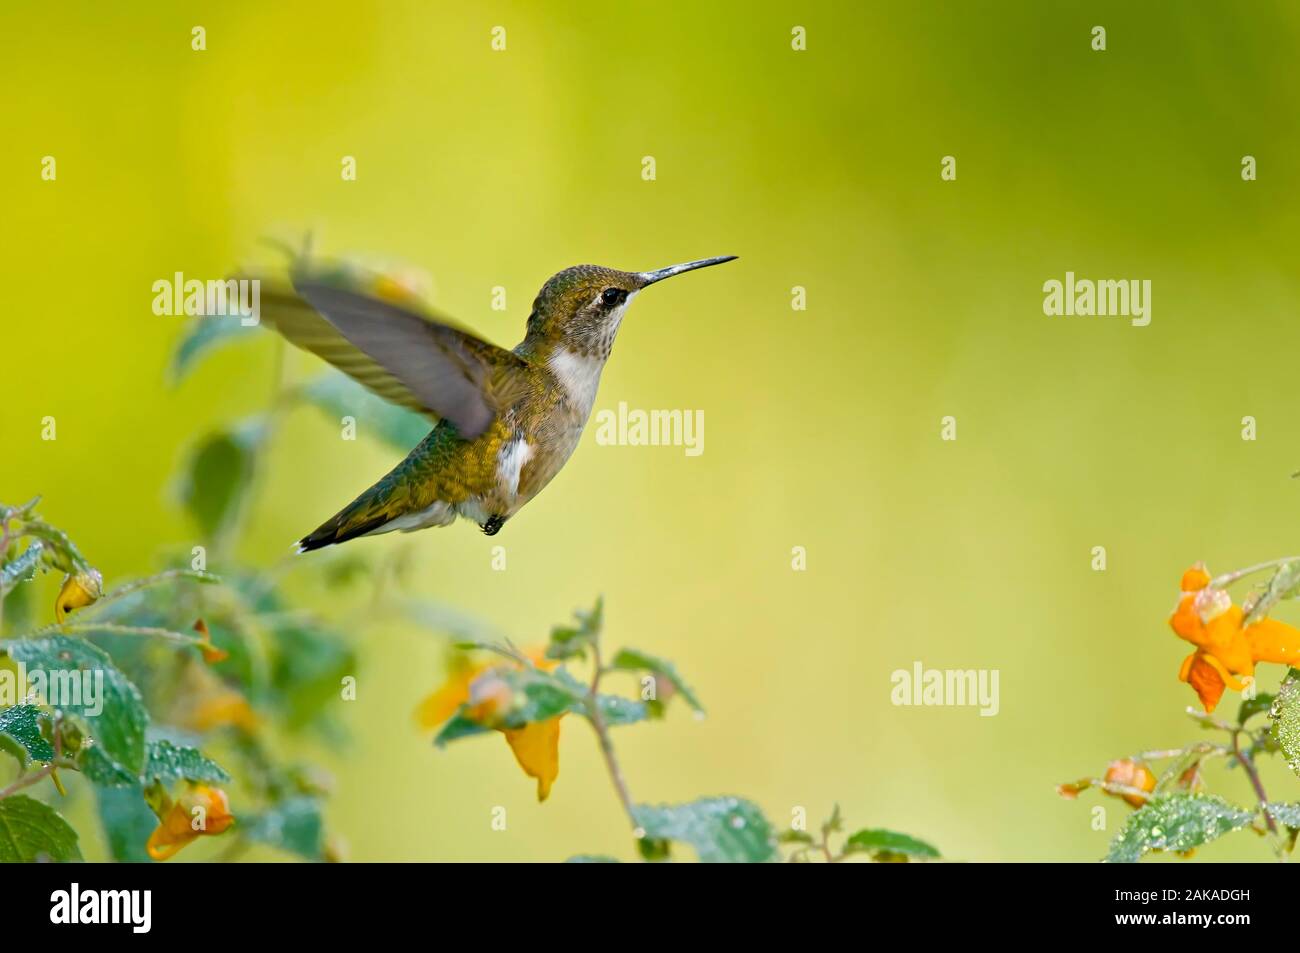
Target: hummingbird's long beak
[(650, 277)]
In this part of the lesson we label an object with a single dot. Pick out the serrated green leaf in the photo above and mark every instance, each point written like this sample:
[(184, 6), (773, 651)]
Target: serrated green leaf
[(22, 723), (102, 771), (572, 641), (885, 844), (32, 831), (1285, 715), (340, 396), (117, 720), (206, 334), (293, 824), (167, 762), (22, 568), (634, 660), (1175, 823), (217, 475), (721, 829), (1287, 814)]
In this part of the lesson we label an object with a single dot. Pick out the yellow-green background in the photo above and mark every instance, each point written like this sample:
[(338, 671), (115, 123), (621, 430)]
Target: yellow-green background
[(820, 169)]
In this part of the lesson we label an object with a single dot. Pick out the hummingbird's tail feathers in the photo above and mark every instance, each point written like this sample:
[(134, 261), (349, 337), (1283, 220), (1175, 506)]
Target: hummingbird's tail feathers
[(377, 511), (339, 530)]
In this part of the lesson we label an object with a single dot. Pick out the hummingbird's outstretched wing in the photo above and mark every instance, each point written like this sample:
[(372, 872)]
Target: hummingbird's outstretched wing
[(412, 360)]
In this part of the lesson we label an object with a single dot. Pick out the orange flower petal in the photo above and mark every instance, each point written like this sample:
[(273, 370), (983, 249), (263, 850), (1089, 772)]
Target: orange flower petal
[(203, 811), (1186, 621), (1205, 678), (537, 749), (1273, 641), (1195, 578), (442, 704)]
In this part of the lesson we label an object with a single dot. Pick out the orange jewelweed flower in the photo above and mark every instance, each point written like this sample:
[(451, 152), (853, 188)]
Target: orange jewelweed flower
[(1131, 774), (488, 698), (202, 811), (1225, 647)]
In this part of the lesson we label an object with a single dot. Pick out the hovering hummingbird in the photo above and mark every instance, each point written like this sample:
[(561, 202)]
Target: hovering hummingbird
[(507, 421)]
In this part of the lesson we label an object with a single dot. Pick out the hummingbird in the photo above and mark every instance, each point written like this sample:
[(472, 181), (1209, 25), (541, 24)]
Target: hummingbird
[(505, 421)]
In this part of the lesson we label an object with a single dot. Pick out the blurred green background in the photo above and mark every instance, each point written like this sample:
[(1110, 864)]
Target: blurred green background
[(820, 169)]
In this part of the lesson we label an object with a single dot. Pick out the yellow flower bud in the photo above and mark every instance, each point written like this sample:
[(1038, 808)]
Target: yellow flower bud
[(79, 589)]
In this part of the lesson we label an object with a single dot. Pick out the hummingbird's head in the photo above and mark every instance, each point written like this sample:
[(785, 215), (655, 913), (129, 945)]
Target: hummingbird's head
[(582, 307)]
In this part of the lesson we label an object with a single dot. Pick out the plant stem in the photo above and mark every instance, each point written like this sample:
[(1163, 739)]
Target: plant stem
[(1248, 765), (58, 761), (149, 631), (1228, 578), (606, 745)]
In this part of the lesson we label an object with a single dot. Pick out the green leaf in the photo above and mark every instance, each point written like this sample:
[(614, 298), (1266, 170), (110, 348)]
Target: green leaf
[(22, 723), (1284, 584), (633, 660), (31, 831), (616, 710), (721, 829), (1175, 823), (127, 822), (21, 568), (457, 727), (654, 849), (59, 551), (340, 396), (591, 859), (1286, 814), (572, 641), (1285, 714), (293, 824), (540, 695), (168, 762), (206, 334), (111, 705), (18, 610), (889, 845), (309, 664), (102, 771), (217, 476), (1250, 707)]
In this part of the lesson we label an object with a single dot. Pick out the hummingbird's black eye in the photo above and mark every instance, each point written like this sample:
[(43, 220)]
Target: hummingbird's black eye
[(611, 295)]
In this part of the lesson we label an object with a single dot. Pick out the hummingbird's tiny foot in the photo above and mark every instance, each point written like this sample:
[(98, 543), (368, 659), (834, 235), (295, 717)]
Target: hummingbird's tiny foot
[(493, 525)]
